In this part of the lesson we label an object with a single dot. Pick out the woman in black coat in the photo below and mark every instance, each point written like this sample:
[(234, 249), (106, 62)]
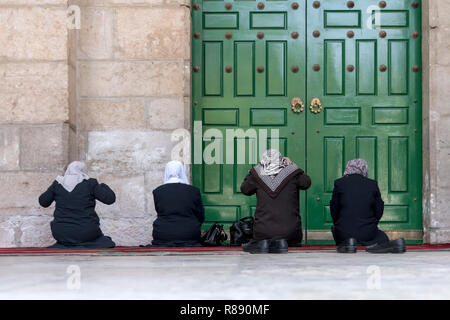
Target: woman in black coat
[(356, 209), (76, 224), (179, 208), (276, 181)]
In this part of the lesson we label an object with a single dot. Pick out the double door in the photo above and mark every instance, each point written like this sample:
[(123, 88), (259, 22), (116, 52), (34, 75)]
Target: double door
[(324, 82)]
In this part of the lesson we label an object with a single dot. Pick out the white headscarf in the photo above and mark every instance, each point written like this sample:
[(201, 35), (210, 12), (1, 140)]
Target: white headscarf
[(76, 172), (175, 173)]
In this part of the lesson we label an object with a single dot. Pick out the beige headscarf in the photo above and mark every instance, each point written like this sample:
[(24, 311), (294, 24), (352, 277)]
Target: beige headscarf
[(76, 172)]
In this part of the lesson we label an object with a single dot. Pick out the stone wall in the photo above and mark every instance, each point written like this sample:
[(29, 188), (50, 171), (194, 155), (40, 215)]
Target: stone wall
[(436, 111), (130, 62), (33, 115)]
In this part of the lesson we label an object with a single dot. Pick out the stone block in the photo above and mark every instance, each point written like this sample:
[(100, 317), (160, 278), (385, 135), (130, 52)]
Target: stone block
[(439, 236), (19, 191), (33, 92), (443, 169), (117, 3), (187, 78), (439, 93), (152, 33), (128, 151), (178, 2), (72, 97), (9, 148), (8, 230), (443, 133), (33, 33), (95, 35), (73, 145), (130, 197), (44, 147), (187, 113), (34, 2), (167, 113), (154, 177), (72, 47), (110, 115), (38, 77), (118, 79), (439, 46), (34, 107), (439, 13), (128, 232), (34, 231), (26, 231)]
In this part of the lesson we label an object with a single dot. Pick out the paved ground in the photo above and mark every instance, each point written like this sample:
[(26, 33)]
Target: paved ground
[(303, 275)]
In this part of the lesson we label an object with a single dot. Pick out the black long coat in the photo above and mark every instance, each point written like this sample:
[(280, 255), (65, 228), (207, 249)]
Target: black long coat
[(356, 207), (180, 215), (75, 221), (277, 214)]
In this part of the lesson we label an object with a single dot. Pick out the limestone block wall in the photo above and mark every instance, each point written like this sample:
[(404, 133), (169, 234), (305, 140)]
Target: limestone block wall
[(33, 115), (130, 77), (436, 88)]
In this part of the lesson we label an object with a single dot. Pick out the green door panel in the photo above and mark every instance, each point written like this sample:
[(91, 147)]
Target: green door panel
[(367, 112), (248, 63)]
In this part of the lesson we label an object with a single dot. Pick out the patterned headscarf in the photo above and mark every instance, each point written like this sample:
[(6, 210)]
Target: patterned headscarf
[(357, 166), (272, 162)]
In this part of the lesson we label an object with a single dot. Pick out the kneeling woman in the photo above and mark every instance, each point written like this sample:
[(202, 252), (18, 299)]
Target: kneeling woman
[(276, 182), (356, 208), (179, 208), (75, 223)]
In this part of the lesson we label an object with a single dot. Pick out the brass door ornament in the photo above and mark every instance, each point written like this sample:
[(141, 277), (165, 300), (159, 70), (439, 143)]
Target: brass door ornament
[(297, 105), (315, 105)]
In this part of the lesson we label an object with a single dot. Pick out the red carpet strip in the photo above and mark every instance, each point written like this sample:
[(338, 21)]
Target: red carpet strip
[(190, 250)]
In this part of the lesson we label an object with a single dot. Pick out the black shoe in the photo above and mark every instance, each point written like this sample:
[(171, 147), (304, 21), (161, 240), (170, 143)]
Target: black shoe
[(393, 246), (348, 246), (256, 246), (278, 246)]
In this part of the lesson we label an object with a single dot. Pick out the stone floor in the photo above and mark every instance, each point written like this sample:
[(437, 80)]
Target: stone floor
[(302, 275)]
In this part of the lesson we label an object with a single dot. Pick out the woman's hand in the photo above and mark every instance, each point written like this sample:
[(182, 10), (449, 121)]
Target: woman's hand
[(289, 161)]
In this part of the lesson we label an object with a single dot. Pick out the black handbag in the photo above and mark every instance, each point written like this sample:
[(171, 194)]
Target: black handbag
[(241, 231), (214, 236)]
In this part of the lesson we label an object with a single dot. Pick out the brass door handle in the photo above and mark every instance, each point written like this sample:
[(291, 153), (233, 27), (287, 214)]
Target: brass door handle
[(297, 105), (315, 105)]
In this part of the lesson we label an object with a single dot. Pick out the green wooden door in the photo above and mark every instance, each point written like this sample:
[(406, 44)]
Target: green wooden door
[(250, 59), (243, 79)]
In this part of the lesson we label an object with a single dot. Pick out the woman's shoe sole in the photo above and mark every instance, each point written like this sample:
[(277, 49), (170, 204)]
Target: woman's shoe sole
[(278, 250), (348, 249), (390, 250), (257, 251)]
